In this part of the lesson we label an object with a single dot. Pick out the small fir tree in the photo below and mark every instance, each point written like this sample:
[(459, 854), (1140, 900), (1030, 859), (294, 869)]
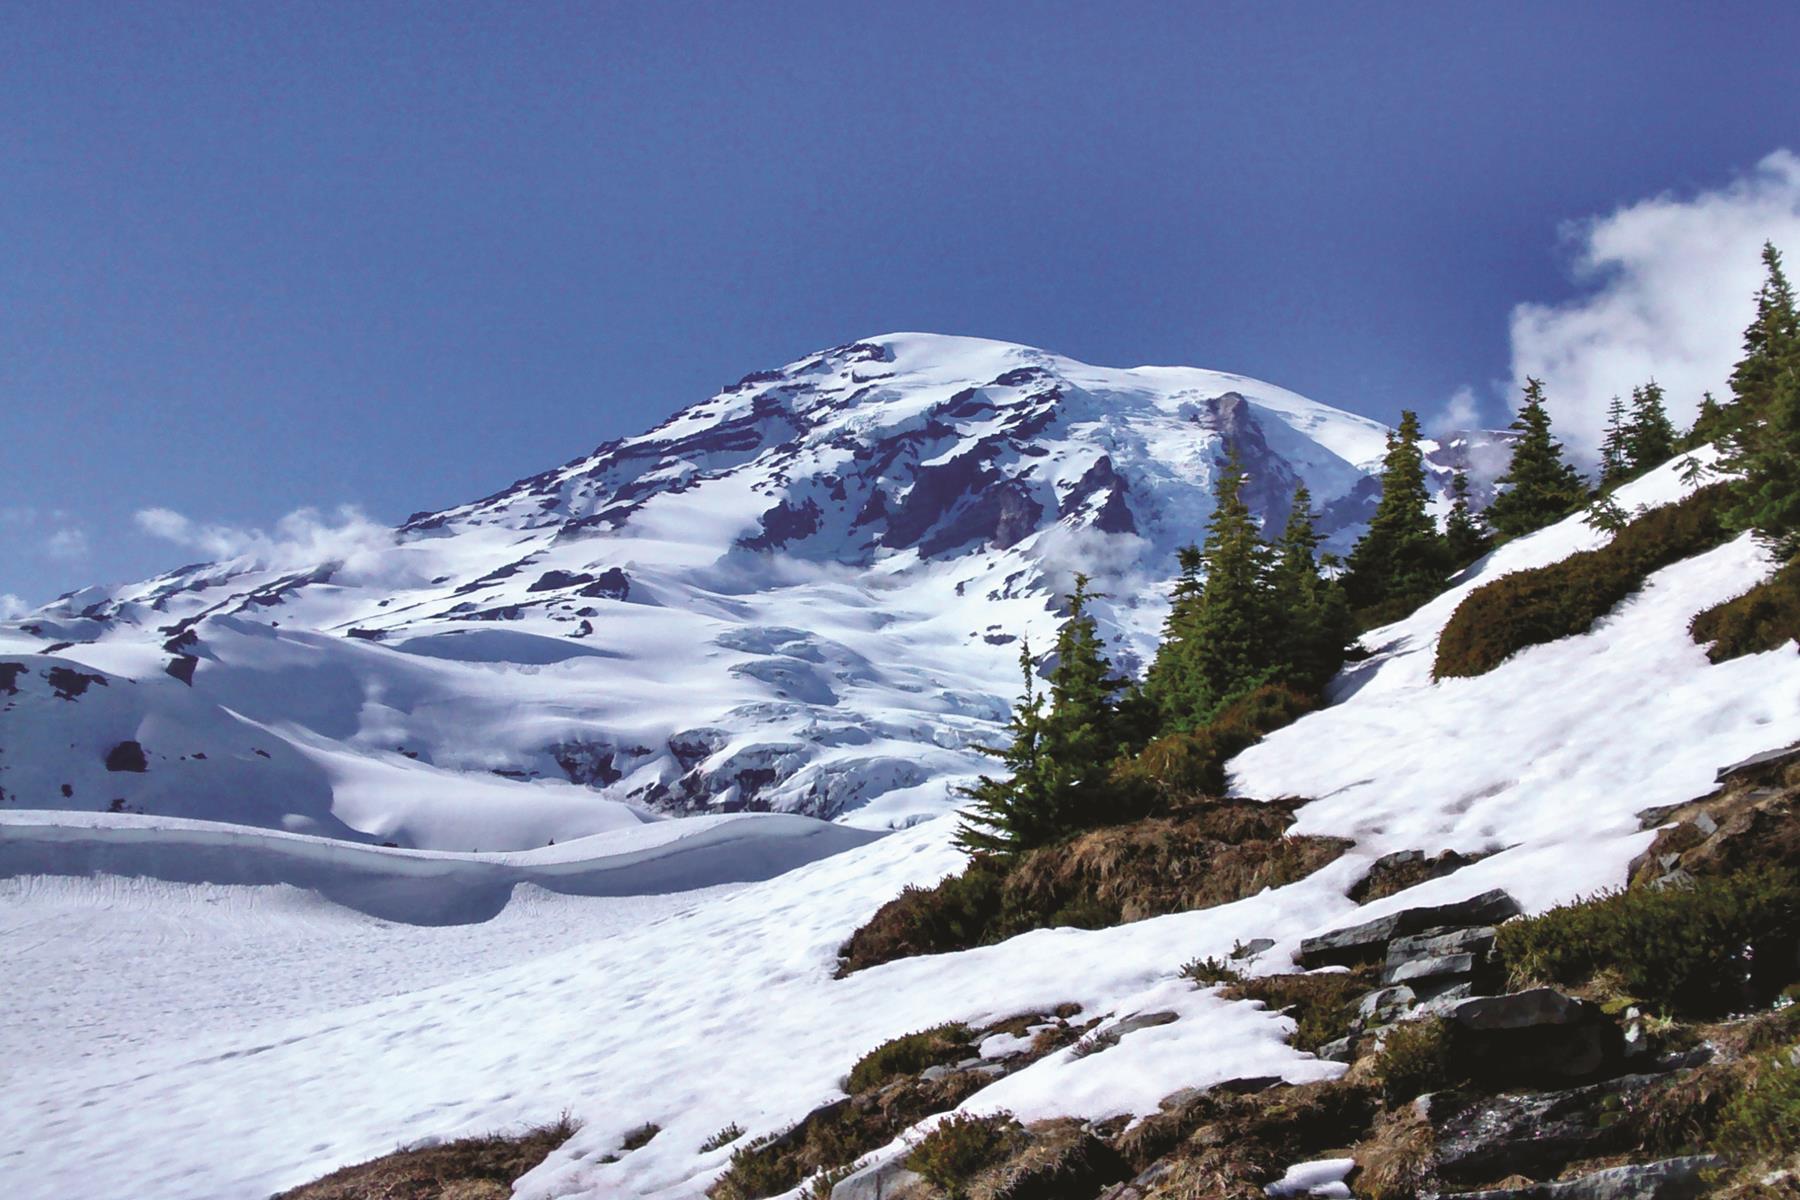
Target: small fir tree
[(1465, 531), (1710, 424), (1615, 454), (1401, 558), (1540, 485), (1650, 436), (1061, 748)]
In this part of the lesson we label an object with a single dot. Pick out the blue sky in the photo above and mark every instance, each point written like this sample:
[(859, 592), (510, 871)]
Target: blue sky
[(258, 258)]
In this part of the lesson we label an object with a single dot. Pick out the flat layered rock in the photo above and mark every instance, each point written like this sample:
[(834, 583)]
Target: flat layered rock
[(1368, 942)]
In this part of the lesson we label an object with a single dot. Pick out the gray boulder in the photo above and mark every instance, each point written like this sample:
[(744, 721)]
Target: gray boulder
[(1538, 1036), (1668, 1179), (1368, 942)]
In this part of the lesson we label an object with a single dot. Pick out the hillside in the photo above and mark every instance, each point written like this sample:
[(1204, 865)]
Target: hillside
[(727, 1009)]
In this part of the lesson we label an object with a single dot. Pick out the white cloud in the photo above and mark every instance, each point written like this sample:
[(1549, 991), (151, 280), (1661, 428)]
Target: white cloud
[(12, 606), (304, 538), (1670, 283), (1460, 411), (68, 543)]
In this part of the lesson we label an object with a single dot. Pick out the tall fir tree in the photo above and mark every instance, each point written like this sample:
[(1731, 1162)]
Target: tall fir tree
[(1062, 746), (1615, 452), (1762, 445), (1649, 436), (1401, 559), (1311, 613), (1769, 341), (1541, 486), (1465, 531), (1218, 640)]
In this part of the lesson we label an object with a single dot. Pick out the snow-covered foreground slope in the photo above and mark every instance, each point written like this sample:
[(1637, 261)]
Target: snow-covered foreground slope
[(726, 1010), (805, 593)]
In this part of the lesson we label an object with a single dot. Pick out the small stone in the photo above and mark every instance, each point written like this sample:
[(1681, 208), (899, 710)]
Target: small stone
[(1386, 1004), (1139, 1021)]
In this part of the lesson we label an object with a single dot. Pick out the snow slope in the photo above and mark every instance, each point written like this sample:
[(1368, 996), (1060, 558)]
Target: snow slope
[(726, 1010), (805, 593)]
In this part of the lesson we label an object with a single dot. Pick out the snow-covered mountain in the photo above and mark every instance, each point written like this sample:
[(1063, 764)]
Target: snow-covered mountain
[(804, 593)]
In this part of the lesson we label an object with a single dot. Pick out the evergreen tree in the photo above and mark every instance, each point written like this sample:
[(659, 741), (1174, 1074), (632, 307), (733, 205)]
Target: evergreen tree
[(1710, 424), (1233, 633), (1059, 753), (1615, 453), (1014, 810), (1770, 341), (1541, 486), (1218, 639), (1311, 613), (1465, 532), (1649, 437), (1763, 443), (1401, 559)]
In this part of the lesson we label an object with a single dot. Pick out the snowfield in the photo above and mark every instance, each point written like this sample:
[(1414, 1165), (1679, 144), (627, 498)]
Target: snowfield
[(695, 1010)]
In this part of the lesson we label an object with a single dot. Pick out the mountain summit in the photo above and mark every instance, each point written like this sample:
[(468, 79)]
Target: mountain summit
[(804, 593)]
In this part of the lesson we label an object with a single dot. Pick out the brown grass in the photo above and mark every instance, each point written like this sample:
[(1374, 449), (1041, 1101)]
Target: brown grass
[(1322, 1005), (478, 1168), (1204, 853)]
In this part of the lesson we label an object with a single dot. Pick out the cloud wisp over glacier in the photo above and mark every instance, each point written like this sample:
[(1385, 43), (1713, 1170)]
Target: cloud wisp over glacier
[(1668, 284)]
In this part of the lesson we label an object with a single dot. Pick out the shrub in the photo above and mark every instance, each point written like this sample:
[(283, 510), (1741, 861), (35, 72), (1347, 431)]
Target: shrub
[(755, 1171), (1764, 1120), (953, 915), (1205, 972), (1321, 1005), (961, 1145), (472, 1166), (908, 1055), (821, 1185), (640, 1136), (1415, 1058), (1766, 617), (723, 1138), (1194, 762), (1702, 949), (1563, 599)]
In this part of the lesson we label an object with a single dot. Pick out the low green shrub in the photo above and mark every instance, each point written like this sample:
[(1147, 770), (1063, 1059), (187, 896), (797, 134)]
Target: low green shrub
[(1205, 972), (908, 1055), (1321, 1005), (723, 1138), (1766, 617), (1764, 1120), (1708, 948), (1565, 598), (755, 1171), (1415, 1059), (639, 1137), (1193, 763), (960, 1146), (954, 914)]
